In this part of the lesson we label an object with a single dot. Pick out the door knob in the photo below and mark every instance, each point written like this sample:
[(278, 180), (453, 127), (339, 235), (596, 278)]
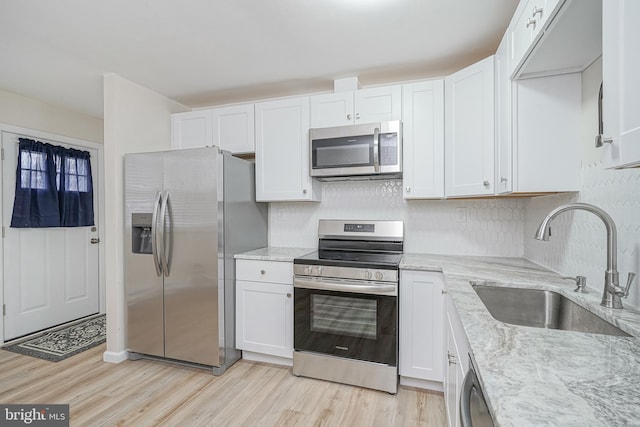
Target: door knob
[(94, 240)]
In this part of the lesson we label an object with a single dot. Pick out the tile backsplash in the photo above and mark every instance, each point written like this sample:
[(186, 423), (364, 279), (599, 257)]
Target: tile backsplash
[(578, 239), (468, 227)]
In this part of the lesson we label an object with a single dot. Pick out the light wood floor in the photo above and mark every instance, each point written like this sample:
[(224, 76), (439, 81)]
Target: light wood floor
[(153, 393)]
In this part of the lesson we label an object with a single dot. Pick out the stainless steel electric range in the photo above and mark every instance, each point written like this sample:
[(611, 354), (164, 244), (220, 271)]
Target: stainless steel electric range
[(346, 304)]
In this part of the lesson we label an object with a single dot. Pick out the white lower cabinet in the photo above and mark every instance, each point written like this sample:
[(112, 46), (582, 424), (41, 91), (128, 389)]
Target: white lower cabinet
[(456, 364), (421, 309), (264, 310)]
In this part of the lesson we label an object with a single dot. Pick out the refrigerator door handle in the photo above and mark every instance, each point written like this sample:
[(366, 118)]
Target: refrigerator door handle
[(154, 238), (166, 243)]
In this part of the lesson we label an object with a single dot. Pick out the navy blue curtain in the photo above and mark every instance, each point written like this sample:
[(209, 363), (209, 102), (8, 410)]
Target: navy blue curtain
[(53, 187)]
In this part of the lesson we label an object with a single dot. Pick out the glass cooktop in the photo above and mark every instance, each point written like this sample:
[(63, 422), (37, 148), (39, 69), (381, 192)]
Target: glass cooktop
[(351, 259)]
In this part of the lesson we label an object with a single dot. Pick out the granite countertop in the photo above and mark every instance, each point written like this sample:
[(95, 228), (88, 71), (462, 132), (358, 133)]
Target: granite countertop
[(543, 377), (274, 254)]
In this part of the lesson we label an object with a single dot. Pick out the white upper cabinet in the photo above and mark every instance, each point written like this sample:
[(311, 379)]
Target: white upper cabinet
[(230, 128), (550, 37), (469, 131), (504, 140), (528, 23), (621, 82), (233, 128), (354, 107), (332, 109), (192, 129), (537, 131), (282, 152), (423, 140)]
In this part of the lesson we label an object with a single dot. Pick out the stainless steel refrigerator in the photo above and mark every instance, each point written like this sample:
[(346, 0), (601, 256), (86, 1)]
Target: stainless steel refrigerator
[(187, 213)]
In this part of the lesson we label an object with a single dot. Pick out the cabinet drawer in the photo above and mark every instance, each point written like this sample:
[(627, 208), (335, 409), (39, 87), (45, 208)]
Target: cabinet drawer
[(264, 271)]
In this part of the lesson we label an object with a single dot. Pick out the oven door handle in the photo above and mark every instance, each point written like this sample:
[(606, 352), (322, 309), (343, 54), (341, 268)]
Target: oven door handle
[(323, 285)]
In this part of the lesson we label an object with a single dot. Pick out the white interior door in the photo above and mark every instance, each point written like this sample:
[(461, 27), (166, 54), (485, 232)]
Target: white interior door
[(51, 275)]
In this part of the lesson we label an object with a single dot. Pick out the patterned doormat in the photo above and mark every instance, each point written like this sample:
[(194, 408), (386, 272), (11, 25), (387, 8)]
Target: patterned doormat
[(62, 343)]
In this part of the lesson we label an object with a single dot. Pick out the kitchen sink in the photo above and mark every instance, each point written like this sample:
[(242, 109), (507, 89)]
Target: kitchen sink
[(541, 309)]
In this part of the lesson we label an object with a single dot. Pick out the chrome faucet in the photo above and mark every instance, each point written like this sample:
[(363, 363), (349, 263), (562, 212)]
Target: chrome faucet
[(611, 297)]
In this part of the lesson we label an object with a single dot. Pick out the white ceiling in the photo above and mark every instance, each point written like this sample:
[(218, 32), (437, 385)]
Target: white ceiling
[(208, 52)]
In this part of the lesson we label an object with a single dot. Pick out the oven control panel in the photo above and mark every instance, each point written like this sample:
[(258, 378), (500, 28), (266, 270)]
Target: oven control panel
[(356, 273)]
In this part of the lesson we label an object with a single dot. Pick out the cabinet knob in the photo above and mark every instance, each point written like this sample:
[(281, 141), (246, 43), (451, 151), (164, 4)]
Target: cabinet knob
[(357, 115), (503, 179), (486, 184), (304, 191), (348, 116), (408, 189), (531, 22), (288, 294), (263, 272), (536, 10)]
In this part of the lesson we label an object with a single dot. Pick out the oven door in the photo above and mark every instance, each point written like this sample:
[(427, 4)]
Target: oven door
[(353, 325), (364, 149)]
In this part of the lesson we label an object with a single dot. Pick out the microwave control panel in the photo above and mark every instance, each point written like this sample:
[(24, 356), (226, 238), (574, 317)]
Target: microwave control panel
[(388, 149)]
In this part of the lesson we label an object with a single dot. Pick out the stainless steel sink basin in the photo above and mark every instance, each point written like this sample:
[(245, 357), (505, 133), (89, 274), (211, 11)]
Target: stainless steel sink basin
[(541, 309)]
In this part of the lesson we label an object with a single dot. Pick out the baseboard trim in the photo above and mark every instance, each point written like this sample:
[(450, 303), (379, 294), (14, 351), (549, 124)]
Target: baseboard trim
[(267, 358), (420, 383), (115, 357)]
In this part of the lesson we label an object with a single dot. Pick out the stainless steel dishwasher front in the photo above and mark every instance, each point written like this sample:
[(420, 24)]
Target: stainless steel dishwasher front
[(473, 408)]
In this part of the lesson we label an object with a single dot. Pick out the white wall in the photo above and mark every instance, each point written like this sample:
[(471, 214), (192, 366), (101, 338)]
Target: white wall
[(491, 227), (30, 113), (578, 241), (136, 119)]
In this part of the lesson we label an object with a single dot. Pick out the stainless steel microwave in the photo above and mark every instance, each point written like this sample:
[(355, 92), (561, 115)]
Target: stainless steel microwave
[(357, 151)]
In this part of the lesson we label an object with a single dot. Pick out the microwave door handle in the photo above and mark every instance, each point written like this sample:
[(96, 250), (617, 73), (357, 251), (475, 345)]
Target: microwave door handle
[(376, 150)]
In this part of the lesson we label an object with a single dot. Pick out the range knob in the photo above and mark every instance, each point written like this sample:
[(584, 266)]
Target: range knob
[(379, 275), (318, 270), (308, 270), (367, 275)]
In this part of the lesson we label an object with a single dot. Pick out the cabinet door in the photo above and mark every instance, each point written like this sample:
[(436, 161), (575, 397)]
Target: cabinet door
[(504, 140), (233, 128), (469, 131), (264, 318), (521, 35), (192, 129), (282, 151), (378, 104), (456, 363), (421, 325), (332, 109), (621, 81), (451, 380), (423, 139)]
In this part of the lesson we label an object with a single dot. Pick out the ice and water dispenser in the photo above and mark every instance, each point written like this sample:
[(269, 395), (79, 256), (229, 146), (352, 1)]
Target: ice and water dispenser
[(141, 233)]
